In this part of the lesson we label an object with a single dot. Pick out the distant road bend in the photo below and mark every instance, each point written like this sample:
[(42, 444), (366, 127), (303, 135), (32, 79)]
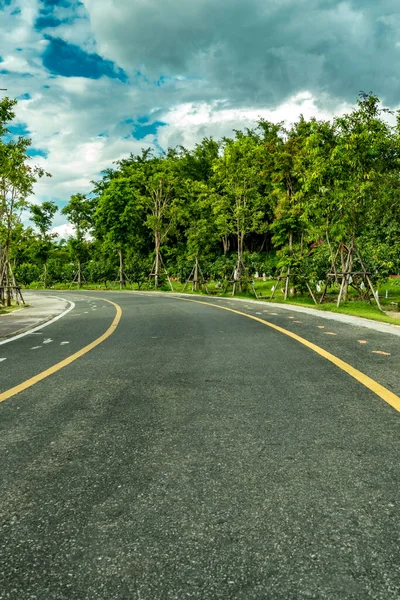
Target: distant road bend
[(157, 448)]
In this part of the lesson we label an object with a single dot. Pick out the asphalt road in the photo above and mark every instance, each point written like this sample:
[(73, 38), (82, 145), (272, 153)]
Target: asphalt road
[(196, 453)]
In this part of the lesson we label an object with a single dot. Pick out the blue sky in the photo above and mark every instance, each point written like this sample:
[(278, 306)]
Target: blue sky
[(97, 80)]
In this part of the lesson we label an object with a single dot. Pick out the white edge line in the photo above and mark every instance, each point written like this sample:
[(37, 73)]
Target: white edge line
[(24, 333)]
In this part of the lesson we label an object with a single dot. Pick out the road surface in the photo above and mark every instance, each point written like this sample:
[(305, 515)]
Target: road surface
[(197, 453)]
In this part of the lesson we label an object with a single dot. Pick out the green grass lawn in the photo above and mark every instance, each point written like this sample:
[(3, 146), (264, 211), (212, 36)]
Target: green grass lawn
[(354, 306)]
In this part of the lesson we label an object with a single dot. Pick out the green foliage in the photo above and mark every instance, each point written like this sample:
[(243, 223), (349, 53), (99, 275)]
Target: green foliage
[(276, 198), (100, 271), (27, 273)]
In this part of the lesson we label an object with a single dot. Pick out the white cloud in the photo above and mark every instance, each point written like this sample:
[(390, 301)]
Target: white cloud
[(189, 123), (63, 231), (223, 66)]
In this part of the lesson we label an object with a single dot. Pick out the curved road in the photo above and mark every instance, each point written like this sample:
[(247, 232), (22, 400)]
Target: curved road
[(197, 453)]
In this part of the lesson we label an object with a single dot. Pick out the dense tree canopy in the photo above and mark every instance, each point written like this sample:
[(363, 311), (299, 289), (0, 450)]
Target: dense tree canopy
[(312, 198)]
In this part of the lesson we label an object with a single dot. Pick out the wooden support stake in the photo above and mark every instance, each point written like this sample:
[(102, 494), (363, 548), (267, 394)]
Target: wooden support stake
[(311, 293), (376, 298), (287, 284)]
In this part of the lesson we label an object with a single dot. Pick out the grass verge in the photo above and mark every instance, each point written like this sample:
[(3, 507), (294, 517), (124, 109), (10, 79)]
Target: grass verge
[(354, 307), (5, 310)]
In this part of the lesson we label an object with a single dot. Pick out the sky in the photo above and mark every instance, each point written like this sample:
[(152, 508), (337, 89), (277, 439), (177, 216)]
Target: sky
[(99, 79)]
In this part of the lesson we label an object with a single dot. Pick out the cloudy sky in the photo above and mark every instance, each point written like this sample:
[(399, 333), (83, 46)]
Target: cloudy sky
[(99, 79)]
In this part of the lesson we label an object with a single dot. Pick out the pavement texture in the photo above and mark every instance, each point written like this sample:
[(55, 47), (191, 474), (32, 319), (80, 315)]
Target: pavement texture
[(197, 453), (41, 308)]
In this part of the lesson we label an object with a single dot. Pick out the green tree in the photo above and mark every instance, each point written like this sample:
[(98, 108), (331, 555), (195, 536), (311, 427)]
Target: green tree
[(116, 217), (348, 181), (17, 179), (238, 201), (156, 187), (42, 216), (79, 212)]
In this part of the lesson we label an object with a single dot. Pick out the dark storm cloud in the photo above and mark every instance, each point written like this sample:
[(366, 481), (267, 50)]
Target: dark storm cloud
[(257, 52)]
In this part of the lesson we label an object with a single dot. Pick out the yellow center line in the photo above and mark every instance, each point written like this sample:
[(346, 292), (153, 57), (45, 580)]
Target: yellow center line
[(67, 361), (368, 382)]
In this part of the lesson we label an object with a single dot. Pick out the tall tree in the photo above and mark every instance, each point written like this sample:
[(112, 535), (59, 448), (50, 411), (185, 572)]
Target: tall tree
[(42, 216), (239, 202), (17, 178), (79, 212), (349, 180), (115, 218)]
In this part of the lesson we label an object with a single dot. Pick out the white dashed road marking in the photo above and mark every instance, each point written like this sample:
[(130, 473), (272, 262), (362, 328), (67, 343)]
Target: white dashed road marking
[(35, 347), (63, 343), (47, 341), (46, 324), (1, 359)]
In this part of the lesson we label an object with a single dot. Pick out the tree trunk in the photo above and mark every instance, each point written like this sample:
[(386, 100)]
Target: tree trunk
[(121, 269), (7, 272), (79, 275), (157, 260), (348, 264), (196, 275), (287, 284), (45, 275), (292, 289), (343, 262), (333, 256), (349, 267), (225, 244), (240, 240)]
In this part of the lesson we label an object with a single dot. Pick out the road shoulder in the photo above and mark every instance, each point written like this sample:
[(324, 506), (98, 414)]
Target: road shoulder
[(42, 308)]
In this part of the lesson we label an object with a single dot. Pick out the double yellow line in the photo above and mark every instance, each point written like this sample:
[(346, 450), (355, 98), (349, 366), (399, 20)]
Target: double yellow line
[(67, 361)]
